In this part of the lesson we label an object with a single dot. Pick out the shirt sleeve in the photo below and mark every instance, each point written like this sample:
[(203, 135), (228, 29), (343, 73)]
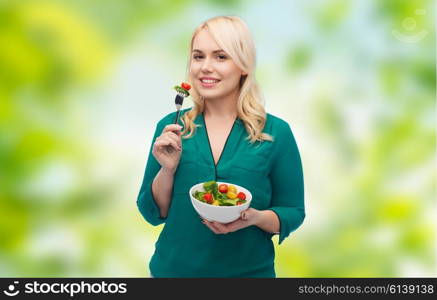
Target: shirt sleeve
[(287, 184), (145, 201)]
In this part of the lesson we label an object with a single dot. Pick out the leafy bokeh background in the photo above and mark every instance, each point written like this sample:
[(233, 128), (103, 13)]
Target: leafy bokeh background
[(83, 83)]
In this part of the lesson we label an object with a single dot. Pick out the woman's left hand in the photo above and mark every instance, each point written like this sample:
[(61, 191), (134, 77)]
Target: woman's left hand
[(247, 218)]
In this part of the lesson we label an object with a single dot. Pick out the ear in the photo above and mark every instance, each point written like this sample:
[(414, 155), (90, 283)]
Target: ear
[(243, 74)]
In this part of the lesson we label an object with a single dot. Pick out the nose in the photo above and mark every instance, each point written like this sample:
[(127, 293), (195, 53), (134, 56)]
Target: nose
[(207, 66)]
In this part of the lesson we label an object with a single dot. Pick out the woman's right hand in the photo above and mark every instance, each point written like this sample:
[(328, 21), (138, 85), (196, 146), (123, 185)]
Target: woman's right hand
[(168, 147)]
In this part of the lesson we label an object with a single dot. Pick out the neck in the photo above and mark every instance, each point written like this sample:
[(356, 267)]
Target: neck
[(222, 108)]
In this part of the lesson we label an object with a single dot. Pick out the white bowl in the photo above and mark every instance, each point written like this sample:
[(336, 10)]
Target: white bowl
[(222, 214)]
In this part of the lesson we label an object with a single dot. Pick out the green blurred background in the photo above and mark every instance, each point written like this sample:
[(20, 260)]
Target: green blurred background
[(83, 83)]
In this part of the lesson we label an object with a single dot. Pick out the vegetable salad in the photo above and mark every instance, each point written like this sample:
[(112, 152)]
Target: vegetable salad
[(220, 195)]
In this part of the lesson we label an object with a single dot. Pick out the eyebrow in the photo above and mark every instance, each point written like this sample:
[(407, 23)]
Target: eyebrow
[(215, 51)]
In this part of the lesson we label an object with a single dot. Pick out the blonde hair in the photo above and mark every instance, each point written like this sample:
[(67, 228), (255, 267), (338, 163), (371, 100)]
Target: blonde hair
[(232, 35)]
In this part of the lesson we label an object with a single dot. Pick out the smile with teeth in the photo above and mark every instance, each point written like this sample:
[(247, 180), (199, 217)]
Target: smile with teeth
[(209, 80)]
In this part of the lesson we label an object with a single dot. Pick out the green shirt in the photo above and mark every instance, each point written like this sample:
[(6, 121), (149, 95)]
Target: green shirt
[(272, 171)]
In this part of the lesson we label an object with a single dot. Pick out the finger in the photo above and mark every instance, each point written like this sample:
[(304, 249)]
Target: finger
[(172, 127), (234, 226), (165, 147), (174, 143), (244, 215), (210, 227), (174, 137), (220, 227), (165, 141), (159, 144)]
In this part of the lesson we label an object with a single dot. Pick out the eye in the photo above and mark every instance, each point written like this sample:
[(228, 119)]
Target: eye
[(222, 57), (196, 57)]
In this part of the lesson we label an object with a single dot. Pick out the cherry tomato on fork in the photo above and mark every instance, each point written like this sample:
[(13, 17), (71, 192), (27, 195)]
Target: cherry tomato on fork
[(185, 86)]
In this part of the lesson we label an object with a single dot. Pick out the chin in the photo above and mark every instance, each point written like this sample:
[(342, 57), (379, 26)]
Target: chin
[(210, 95)]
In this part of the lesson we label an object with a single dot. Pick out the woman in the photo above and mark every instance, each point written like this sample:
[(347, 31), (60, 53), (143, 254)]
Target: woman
[(226, 136)]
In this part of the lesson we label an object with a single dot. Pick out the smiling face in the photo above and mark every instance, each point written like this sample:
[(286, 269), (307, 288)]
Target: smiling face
[(212, 70)]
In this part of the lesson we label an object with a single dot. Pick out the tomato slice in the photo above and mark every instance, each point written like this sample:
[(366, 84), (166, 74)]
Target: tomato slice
[(186, 86)]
